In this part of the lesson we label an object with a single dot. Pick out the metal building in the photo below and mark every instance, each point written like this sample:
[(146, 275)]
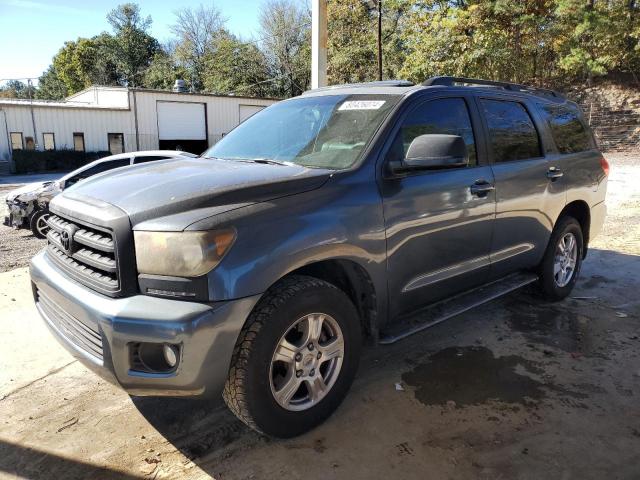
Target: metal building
[(120, 119)]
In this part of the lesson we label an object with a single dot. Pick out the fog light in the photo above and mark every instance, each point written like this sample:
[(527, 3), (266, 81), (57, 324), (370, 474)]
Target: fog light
[(170, 354)]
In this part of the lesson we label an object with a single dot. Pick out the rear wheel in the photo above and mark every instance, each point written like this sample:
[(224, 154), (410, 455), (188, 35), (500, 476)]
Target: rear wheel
[(562, 261), (295, 358), (38, 223)]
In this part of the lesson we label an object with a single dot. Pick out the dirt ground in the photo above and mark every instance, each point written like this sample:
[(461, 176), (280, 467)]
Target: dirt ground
[(518, 388)]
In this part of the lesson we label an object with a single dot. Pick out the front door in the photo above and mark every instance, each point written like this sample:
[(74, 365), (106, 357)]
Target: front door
[(438, 222), (527, 192)]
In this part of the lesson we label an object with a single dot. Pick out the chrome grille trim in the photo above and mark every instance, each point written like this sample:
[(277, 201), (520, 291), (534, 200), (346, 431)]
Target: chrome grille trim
[(92, 261)]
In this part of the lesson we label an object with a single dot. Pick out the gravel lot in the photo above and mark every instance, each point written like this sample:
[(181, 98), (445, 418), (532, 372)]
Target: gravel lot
[(517, 389)]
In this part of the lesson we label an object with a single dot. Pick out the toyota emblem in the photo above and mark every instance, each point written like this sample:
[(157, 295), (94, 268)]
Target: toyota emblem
[(66, 238)]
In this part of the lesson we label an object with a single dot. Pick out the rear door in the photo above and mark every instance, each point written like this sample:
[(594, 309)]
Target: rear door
[(527, 190), (438, 230)]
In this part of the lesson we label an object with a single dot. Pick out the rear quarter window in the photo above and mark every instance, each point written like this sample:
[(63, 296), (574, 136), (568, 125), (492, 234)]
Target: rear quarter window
[(568, 131)]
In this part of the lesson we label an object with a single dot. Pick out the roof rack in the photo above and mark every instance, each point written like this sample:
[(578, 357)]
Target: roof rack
[(514, 87)]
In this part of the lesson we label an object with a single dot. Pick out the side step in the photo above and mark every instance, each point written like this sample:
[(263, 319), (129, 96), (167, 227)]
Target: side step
[(445, 309)]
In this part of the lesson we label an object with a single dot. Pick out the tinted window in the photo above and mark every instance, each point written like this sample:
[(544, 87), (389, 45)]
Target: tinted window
[(99, 168), (567, 130), (448, 115), (150, 158), (511, 131)]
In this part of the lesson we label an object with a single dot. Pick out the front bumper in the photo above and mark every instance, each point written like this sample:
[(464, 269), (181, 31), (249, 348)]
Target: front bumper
[(206, 333), (19, 214)]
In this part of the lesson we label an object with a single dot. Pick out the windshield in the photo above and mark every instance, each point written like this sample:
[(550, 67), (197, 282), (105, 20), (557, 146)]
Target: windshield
[(322, 132)]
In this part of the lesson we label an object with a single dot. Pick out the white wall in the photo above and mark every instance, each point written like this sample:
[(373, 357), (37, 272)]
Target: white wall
[(64, 121), (65, 118), (222, 113)]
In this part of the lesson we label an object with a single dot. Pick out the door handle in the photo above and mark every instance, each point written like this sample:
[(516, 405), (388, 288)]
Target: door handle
[(481, 189), (554, 173)]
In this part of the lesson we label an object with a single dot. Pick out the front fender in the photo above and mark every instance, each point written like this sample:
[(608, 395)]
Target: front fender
[(341, 220)]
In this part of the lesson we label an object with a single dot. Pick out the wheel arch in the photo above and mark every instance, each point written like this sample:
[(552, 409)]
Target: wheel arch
[(354, 280), (579, 209)]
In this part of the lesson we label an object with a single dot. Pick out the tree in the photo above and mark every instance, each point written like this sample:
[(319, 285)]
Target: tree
[(352, 43), (132, 48), (163, 71), (50, 86), (17, 89), (196, 29), (286, 43), (238, 67)]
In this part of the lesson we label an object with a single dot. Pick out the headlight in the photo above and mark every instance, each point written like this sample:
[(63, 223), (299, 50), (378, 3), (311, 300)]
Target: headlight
[(181, 254)]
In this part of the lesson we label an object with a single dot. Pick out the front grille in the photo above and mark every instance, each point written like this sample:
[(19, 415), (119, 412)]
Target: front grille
[(80, 334), (88, 256)]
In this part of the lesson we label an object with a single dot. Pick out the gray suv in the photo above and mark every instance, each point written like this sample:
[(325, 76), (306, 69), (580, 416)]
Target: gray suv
[(352, 213)]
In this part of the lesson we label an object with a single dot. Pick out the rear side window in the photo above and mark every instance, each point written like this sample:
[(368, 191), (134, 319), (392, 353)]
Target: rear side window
[(447, 116), (512, 134), (569, 133)]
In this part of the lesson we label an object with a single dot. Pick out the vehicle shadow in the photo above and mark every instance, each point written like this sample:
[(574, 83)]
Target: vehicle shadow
[(28, 462), (204, 429)]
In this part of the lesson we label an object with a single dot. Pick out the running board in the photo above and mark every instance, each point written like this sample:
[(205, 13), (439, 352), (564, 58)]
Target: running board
[(445, 309)]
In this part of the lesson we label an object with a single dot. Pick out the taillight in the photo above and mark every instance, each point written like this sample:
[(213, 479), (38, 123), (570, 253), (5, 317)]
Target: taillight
[(605, 165)]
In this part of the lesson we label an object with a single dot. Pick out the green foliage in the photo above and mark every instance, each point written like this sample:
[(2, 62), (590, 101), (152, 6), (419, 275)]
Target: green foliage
[(536, 41), (17, 89), (28, 161), (131, 48), (540, 41), (236, 67)]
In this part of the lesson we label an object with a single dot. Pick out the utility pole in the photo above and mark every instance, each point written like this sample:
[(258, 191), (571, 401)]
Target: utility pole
[(318, 43), (380, 40)]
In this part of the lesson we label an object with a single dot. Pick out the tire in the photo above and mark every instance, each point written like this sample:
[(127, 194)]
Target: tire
[(37, 224), (252, 390), (554, 285)]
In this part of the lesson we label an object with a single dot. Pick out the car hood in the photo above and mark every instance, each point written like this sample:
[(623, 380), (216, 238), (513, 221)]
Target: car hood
[(170, 195), (31, 191)]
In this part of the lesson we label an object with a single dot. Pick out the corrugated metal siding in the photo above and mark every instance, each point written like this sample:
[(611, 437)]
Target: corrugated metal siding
[(223, 114), (63, 122)]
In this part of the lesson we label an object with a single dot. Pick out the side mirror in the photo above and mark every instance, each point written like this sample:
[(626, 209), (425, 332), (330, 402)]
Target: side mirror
[(432, 151)]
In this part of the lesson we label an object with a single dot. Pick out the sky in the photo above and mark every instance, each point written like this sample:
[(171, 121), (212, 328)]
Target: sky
[(32, 31)]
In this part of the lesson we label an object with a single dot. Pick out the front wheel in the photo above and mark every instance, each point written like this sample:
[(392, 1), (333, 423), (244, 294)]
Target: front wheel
[(295, 359), (562, 261), (38, 223)]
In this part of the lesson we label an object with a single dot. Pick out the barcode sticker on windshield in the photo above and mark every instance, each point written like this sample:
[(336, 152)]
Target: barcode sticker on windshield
[(361, 105)]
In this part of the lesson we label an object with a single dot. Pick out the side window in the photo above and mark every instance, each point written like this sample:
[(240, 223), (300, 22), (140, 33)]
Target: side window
[(99, 168), (512, 134), (447, 115), (116, 143), (49, 141), (567, 130), (151, 158), (16, 141), (29, 143)]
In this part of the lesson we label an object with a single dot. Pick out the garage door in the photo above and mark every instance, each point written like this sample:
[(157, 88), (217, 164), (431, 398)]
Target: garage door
[(181, 121), (247, 110)]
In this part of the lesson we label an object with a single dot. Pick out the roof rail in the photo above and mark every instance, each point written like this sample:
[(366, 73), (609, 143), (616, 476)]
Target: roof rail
[(514, 87), (377, 83)]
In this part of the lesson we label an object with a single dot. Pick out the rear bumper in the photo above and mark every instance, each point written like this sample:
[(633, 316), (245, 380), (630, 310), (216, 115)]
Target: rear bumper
[(598, 214), (206, 333)]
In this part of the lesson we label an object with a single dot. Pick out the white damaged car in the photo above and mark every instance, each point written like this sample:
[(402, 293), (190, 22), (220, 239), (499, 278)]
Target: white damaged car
[(28, 206)]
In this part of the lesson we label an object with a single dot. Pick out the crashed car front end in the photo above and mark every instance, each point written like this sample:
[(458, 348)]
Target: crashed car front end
[(19, 212), (23, 202)]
